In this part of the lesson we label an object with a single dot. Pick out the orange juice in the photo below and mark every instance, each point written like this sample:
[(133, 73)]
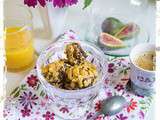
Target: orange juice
[(19, 48)]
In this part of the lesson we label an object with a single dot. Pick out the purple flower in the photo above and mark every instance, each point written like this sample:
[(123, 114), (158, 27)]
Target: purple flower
[(141, 114), (121, 117), (27, 99)]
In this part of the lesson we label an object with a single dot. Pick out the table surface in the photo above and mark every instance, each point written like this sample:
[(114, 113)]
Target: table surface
[(14, 79)]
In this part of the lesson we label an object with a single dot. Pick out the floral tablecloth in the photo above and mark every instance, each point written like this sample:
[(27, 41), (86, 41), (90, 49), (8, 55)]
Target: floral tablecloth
[(30, 102)]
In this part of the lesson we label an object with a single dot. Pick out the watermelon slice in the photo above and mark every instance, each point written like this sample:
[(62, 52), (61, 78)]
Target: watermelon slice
[(128, 31), (110, 41)]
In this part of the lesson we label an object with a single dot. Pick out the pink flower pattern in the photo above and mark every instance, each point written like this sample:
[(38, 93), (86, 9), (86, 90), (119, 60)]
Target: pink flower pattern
[(48, 116), (90, 115), (56, 3), (25, 112), (64, 110), (132, 106), (119, 87), (98, 106), (100, 117), (32, 81)]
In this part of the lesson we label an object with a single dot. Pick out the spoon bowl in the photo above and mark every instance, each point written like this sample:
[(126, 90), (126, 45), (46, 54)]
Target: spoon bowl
[(113, 105)]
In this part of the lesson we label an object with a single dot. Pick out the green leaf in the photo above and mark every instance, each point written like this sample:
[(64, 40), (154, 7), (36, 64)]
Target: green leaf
[(23, 87), (121, 71), (128, 68), (87, 3), (125, 72), (17, 94), (42, 93), (142, 102), (15, 90), (150, 99), (38, 86), (143, 108)]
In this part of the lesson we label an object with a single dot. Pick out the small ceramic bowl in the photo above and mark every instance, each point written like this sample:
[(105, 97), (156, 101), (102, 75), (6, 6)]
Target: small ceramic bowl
[(72, 104), (143, 81)]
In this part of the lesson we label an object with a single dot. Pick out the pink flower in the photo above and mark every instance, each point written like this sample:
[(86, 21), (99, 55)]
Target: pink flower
[(109, 94), (110, 70), (70, 2), (90, 115), (30, 3), (32, 81), (49, 116), (100, 117), (64, 110), (4, 114), (42, 2), (119, 87), (33, 3), (63, 3), (25, 112), (43, 103), (56, 3), (110, 65), (132, 106), (98, 106)]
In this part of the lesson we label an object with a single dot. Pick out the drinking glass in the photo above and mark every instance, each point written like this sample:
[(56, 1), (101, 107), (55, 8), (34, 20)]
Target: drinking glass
[(18, 36)]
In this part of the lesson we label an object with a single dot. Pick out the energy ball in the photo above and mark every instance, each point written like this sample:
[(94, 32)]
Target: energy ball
[(75, 53), (55, 72), (82, 75)]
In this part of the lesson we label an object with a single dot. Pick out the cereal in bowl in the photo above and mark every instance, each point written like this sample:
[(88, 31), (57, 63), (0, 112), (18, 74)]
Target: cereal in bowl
[(72, 73)]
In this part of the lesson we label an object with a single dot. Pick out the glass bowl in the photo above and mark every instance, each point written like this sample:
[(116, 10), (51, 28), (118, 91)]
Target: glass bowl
[(142, 37), (126, 12), (72, 104)]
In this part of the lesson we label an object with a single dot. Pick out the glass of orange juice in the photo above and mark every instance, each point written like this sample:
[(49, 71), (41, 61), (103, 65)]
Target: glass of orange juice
[(18, 36)]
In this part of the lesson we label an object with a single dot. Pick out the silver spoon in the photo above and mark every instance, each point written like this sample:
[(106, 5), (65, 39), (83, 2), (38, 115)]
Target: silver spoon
[(113, 105)]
